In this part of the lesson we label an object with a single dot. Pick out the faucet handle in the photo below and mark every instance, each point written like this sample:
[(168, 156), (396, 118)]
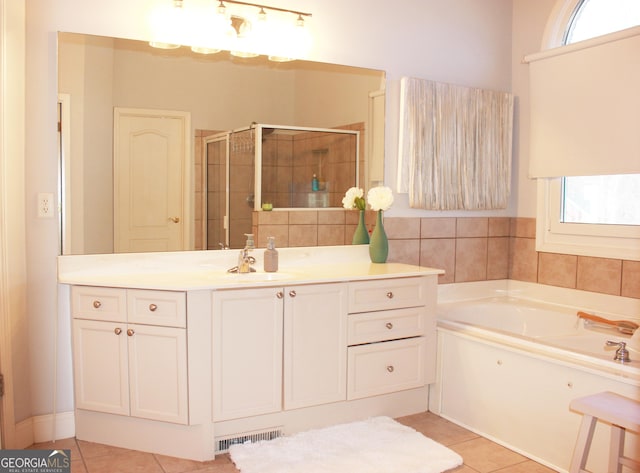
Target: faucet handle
[(622, 354)]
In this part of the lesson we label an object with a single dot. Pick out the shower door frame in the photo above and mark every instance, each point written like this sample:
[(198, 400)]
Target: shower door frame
[(258, 155), (224, 136), (257, 206)]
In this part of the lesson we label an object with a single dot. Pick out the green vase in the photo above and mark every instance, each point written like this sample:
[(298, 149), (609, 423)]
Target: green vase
[(379, 244), (361, 235)]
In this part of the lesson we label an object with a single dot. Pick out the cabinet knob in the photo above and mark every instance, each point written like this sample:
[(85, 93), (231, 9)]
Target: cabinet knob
[(389, 325), (117, 331), (279, 294), (390, 368), (175, 219), (153, 307), (130, 332), (97, 304), (389, 295), (292, 294)]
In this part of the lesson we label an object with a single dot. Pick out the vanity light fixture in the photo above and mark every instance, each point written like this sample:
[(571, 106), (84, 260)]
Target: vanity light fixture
[(243, 28)]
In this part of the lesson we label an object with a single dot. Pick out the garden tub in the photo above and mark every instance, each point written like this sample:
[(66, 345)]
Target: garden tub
[(508, 369)]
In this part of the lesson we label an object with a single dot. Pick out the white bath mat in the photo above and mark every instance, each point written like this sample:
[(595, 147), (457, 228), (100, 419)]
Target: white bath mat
[(376, 445)]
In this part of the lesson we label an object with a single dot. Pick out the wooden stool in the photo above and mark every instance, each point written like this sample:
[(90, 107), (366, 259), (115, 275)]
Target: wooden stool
[(621, 412)]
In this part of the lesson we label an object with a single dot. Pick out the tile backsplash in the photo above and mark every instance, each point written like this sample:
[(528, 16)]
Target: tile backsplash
[(468, 248), (476, 249)]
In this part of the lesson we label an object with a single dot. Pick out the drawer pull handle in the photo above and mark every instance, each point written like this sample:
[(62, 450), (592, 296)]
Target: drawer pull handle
[(389, 295), (292, 293), (390, 368), (130, 332), (389, 325), (97, 304), (117, 331), (153, 307)]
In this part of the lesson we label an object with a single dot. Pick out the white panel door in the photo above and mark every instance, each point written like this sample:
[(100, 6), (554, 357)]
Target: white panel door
[(158, 373), (101, 372), (151, 173), (315, 345)]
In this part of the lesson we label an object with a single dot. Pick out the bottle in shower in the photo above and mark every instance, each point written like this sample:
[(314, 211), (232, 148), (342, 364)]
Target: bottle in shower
[(271, 256), (315, 186)]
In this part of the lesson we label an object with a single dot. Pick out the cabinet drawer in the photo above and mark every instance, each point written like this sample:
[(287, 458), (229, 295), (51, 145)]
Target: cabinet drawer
[(365, 296), (166, 308), (99, 303), (380, 368), (384, 325)]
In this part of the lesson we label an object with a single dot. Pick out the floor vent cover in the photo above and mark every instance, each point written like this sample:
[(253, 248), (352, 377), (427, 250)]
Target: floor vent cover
[(223, 443)]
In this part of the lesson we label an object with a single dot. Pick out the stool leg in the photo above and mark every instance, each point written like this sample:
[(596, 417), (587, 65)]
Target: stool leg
[(583, 443), (616, 449)]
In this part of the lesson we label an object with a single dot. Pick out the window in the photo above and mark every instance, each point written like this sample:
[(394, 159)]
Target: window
[(593, 215), (593, 18), (607, 200)]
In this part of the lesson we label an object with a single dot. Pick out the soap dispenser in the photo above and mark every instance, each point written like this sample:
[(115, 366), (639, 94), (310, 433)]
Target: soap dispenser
[(271, 256)]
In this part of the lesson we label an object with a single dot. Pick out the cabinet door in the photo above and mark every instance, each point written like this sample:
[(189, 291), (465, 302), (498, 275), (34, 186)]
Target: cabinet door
[(158, 373), (247, 352), (100, 366), (315, 345)]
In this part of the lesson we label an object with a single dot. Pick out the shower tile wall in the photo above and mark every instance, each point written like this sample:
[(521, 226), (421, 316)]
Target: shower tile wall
[(290, 161)]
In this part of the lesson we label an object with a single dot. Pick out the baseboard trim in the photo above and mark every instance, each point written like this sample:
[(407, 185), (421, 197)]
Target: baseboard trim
[(38, 429)]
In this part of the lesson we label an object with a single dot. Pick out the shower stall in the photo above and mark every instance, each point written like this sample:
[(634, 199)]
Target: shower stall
[(275, 167)]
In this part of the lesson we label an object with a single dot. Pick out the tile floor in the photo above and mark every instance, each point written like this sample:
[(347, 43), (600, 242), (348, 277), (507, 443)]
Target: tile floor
[(480, 455)]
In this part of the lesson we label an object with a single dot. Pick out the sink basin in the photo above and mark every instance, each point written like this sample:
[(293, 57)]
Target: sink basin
[(257, 276)]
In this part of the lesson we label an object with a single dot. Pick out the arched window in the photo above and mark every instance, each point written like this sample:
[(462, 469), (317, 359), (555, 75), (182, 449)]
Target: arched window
[(594, 215), (590, 199), (593, 18)]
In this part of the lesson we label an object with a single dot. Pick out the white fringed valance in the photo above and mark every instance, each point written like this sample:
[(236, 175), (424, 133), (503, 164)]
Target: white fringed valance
[(455, 146)]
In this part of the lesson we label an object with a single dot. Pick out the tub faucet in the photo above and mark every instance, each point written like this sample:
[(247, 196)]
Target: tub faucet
[(622, 354)]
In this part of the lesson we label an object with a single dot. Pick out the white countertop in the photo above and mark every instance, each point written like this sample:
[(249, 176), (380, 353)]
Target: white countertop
[(192, 270)]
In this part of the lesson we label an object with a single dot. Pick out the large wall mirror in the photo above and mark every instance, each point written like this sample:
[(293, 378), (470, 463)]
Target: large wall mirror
[(117, 97)]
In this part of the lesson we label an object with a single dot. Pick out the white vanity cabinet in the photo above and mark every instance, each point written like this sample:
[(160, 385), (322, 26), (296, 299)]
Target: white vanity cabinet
[(174, 355), (278, 348), (130, 352), (391, 336)]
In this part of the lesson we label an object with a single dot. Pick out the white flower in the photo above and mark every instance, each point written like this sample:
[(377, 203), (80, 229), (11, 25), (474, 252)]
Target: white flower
[(380, 198), (353, 199)]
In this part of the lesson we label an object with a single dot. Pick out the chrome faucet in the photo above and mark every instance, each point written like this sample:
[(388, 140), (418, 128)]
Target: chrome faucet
[(245, 260)]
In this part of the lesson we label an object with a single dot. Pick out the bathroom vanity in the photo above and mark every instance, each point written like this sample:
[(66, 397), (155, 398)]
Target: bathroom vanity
[(174, 355)]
